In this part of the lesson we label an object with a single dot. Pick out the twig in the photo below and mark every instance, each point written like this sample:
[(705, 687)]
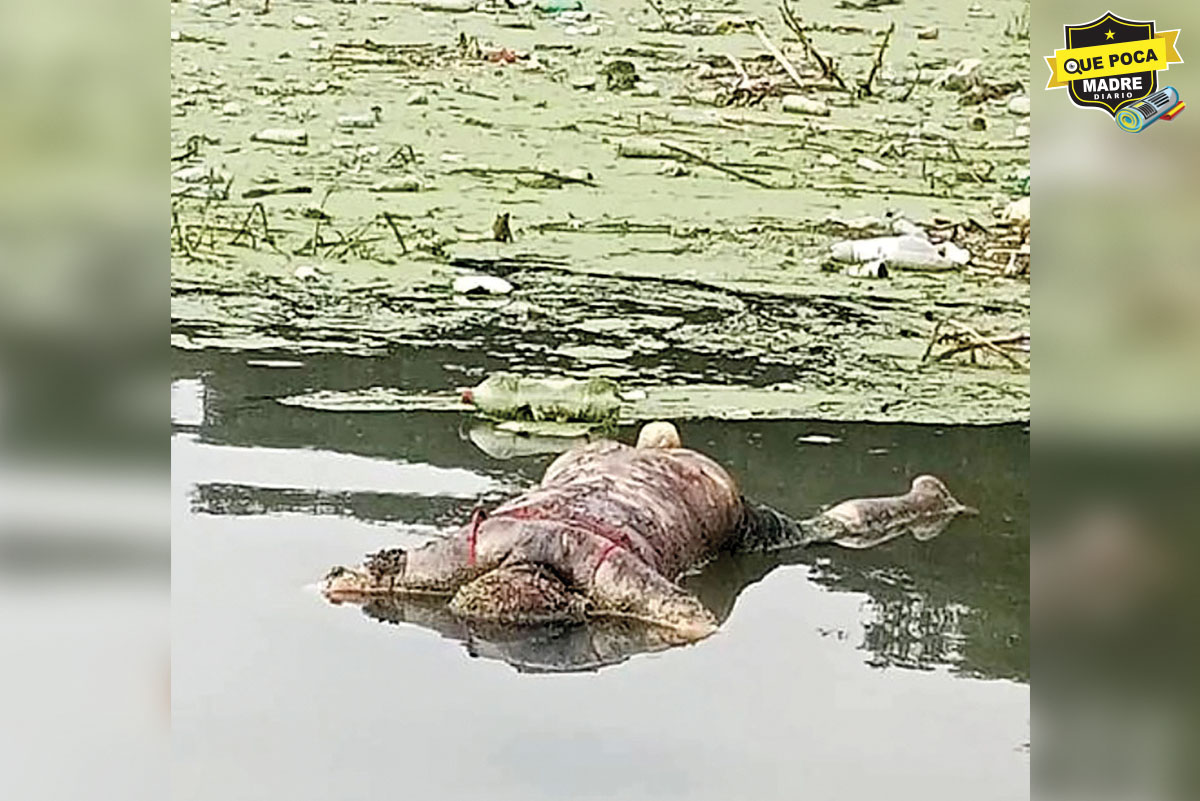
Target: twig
[(777, 53), (659, 11), (245, 229), (710, 163), (981, 342), (937, 329), (887, 37), (554, 176), (1011, 339), (387, 217), (177, 228), (352, 241), (737, 65), (912, 86), (826, 65), (262, 191), (405, 154)]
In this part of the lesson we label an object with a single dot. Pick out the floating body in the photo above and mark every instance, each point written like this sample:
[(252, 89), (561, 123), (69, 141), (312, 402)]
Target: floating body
[(608, 532)]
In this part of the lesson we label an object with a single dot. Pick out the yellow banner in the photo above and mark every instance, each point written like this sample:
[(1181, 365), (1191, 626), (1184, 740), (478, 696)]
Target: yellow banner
[(1107, 60)]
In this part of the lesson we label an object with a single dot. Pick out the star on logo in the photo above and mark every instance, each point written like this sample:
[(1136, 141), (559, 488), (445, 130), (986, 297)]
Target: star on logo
[(1108, 34)]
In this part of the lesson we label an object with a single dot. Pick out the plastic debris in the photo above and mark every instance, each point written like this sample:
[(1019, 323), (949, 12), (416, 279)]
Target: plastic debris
[(962, 76), (899, 252), (1019, 105), (511, 397), (798, 104), (902, 227), (281, 136), (448, 6), (953, 253), (481, 285), (200, 174), (1017, 211), (869, 269), (638, 147), (870, 164), (367, 120), (305, 21), (397, 185), (309, 272), (927, 33), (818, 439)]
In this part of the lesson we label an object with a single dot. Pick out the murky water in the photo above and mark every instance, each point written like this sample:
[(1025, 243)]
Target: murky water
[(898, 672), (650, 270)]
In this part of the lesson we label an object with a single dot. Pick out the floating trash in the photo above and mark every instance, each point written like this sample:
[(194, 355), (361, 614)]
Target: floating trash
[(281, 136), (798, 104), (481, 285), (818, 439), (368, 120), (512, 397)]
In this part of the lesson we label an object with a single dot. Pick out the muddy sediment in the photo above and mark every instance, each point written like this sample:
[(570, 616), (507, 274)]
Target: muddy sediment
[(709, 285)]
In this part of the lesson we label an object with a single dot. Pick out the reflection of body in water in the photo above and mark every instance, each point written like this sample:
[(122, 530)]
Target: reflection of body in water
[(581, 571)]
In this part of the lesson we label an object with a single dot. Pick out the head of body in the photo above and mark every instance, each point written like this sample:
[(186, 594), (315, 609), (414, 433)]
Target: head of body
[(659, 434)]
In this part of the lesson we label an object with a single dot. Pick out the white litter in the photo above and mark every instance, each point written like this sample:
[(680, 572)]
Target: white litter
[(281, 136), (481, 284), (798, 104), (899, 252), (963, 75)]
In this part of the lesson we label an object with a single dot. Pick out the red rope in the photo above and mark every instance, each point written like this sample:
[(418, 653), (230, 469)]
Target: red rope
[(595, 526), (616, 539), (612, 546)]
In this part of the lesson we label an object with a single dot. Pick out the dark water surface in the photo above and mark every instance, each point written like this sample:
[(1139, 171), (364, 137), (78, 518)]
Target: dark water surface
[(900, 672)]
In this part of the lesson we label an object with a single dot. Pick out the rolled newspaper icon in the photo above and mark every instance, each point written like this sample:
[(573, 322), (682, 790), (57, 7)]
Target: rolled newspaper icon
[(1141, 114)]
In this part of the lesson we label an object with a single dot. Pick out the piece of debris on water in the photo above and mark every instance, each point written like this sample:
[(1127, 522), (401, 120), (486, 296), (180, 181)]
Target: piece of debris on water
[(964, 75), (905, 252), (366, 120), (818, 439), (281, 136), (1019, 106), (501, 232), (870, 164), (407, 184), (1017, 211), (869, 269), (280, 364), (798, 104), (309, 272), (505, 396), (481, 285)]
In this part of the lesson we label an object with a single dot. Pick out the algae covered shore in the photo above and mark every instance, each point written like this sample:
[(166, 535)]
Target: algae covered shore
[(630, 171)]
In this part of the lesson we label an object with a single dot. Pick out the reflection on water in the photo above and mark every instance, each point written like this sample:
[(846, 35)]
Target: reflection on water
[(278, 694), (960, 601)]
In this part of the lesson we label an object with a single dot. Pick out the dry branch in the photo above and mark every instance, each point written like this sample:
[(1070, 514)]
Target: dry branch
[(826, 64), (710, 163)]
